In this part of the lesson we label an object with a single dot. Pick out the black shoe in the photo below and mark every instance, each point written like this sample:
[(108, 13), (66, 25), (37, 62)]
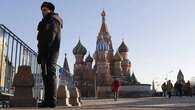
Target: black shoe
[(51, 105), (43, 105)]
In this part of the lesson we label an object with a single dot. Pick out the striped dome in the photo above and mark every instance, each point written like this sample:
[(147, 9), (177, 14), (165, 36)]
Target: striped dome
[(79, 49), (89, 58), (123, 47), (102, 46)]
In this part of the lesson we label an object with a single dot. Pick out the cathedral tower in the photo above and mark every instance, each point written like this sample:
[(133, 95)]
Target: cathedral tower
[(89, 61), (65, 75), (102, 63), (117, 70), (79, 51), (126, 64), (107, 38)]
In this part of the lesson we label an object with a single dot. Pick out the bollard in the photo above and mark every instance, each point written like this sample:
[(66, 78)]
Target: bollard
[(63, 96), (23, 83), (74, 97)]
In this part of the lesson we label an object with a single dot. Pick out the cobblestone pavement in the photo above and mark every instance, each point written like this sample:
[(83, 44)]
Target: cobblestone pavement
[(149, 103)]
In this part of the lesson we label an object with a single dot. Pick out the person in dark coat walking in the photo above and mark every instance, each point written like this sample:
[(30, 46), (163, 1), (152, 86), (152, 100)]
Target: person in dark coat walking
[(169, 88), (164, 88), (180, 89), (188, 89), (115, 88), (49, 34)]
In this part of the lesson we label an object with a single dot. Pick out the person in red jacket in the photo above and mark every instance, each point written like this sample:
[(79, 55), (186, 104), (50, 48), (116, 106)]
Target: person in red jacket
[(115, 88)]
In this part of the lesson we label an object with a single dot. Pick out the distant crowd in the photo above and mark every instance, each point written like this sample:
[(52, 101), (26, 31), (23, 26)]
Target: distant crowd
[(178, 89)]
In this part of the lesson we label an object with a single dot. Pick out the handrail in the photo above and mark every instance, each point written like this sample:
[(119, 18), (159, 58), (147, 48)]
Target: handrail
[(16, 37), (13, 53)]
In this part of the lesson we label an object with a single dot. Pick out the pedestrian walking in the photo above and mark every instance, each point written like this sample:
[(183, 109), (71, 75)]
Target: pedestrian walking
[(164, 88), (115, 89), (169, 88)]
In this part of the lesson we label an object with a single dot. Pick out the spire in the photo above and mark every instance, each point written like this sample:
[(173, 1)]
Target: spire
[(180, 77), (103, 33), (103, 15), (180, 72), (134, 79), (66, 66), (103, 29)]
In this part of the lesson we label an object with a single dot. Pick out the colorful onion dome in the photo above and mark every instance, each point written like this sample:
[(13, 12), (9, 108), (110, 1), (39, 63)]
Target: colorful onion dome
[(89, 59), (123, 47), (79, 49)]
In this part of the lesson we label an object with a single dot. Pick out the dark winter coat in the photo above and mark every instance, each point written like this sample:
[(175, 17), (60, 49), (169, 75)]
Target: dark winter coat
[(49, 35)]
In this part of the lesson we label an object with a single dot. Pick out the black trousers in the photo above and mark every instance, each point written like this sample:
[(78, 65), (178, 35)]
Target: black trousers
[(49, 81), (169, 94), (180, 92), (115, 95)]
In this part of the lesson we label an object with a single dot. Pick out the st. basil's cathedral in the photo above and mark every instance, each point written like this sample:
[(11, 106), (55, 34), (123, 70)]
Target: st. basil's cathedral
[(104, 66)]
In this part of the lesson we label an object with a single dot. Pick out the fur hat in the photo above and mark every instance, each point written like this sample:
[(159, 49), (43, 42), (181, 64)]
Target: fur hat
[(49, 5)]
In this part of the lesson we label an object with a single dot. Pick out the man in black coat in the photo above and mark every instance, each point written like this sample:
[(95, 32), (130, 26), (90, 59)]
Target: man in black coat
[(49, 34)]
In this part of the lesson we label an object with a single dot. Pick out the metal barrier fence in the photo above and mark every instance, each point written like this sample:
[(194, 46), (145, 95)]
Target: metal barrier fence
[(13, 53)]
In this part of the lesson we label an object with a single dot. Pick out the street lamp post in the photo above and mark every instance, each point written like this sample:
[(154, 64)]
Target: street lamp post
[(95, 85)]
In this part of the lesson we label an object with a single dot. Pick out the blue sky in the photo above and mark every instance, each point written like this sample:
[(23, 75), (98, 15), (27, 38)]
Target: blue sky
[(160, 34)]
